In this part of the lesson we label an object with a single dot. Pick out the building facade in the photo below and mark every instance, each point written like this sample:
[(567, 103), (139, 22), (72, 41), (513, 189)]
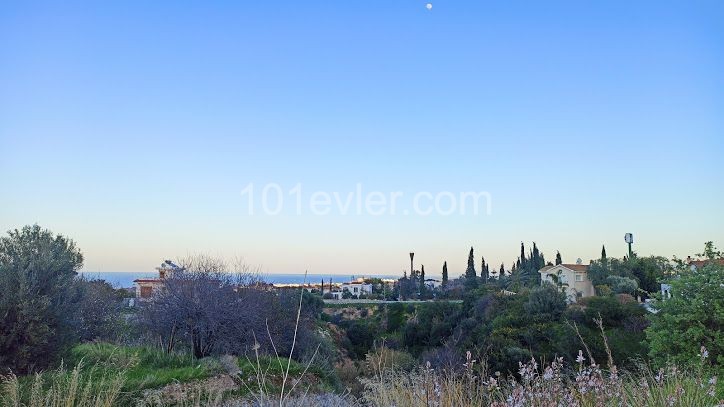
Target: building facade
[(147, 287), (572, 278)]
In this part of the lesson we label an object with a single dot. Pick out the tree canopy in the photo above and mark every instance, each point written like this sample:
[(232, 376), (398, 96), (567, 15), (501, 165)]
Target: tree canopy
[(37, 272)]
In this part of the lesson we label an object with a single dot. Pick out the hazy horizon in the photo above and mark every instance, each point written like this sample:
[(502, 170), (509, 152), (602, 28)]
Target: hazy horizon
[(135, 129)]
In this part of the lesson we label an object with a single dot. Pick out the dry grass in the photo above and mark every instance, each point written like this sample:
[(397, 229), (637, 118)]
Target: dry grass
[(262, 387), (553, 385), (62, 388)]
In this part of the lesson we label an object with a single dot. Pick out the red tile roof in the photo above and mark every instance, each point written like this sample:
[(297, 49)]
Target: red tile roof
[(574, 267), (701, 263)]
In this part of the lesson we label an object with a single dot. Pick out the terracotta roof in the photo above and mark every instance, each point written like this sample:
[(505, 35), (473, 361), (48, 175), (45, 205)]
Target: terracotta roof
[(574, 267), (701, 263)]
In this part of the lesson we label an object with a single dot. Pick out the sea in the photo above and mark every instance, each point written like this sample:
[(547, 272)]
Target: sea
[(123, 279)]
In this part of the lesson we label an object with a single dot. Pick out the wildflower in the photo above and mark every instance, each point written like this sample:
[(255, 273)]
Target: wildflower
[(580, 357), (548, 374), (660, 376), (712, 387), (703, 353), (614, 373)]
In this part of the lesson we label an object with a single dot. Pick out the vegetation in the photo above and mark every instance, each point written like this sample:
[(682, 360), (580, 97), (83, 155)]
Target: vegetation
[(79, 387), (209, 339), (692, 318), (37, 274), (555, 384)]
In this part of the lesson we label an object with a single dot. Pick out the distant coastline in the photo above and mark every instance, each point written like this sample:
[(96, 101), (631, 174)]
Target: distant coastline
[(121, 279)]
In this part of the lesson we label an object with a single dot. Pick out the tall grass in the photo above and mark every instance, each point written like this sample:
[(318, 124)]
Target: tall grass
[(586, 384), (143, 367), (62, 388), (261, 386), (549, 386)]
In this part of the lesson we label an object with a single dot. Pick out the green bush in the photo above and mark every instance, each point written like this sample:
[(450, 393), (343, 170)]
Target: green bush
[(622, 285), (693, 317), (546, 302)]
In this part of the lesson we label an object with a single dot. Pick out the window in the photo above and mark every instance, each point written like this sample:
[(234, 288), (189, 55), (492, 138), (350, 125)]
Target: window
[(579, 277)]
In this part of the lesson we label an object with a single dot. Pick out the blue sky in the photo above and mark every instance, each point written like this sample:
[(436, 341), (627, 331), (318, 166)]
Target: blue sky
[(134, 127)]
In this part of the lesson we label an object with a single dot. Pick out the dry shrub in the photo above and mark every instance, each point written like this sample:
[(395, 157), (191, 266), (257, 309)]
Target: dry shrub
[(583, 385), (548, 386), (382, 358)]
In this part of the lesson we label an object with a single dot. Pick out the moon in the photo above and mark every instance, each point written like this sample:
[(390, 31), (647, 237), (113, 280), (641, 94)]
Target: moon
[(428, 6)]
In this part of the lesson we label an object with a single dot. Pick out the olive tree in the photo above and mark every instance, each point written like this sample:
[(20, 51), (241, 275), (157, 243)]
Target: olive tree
[(37, 272)]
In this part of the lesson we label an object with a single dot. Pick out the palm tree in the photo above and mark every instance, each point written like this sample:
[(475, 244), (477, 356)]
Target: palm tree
[(558, 280)]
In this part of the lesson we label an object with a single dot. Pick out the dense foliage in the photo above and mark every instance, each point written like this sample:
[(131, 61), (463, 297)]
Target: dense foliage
[(693, 317), (210, 311), (37, 274)]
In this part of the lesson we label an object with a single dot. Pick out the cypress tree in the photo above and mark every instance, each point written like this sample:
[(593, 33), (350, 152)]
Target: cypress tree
[(444, 274), (470, 271), (484, 271), (522, 255), (603, 253), (322, 288), (502, 270), (470, 275), (422, 280), (559, 260)]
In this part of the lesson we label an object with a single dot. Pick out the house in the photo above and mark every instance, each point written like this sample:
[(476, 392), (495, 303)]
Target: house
[(147, 287), (432, 284), (694, 265), (573, 278), (698, 264), (357, 288), (336, 295)]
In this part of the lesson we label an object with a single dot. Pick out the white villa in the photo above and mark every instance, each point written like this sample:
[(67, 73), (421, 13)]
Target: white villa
[(573, 278), (432, 284), (357, 287)]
